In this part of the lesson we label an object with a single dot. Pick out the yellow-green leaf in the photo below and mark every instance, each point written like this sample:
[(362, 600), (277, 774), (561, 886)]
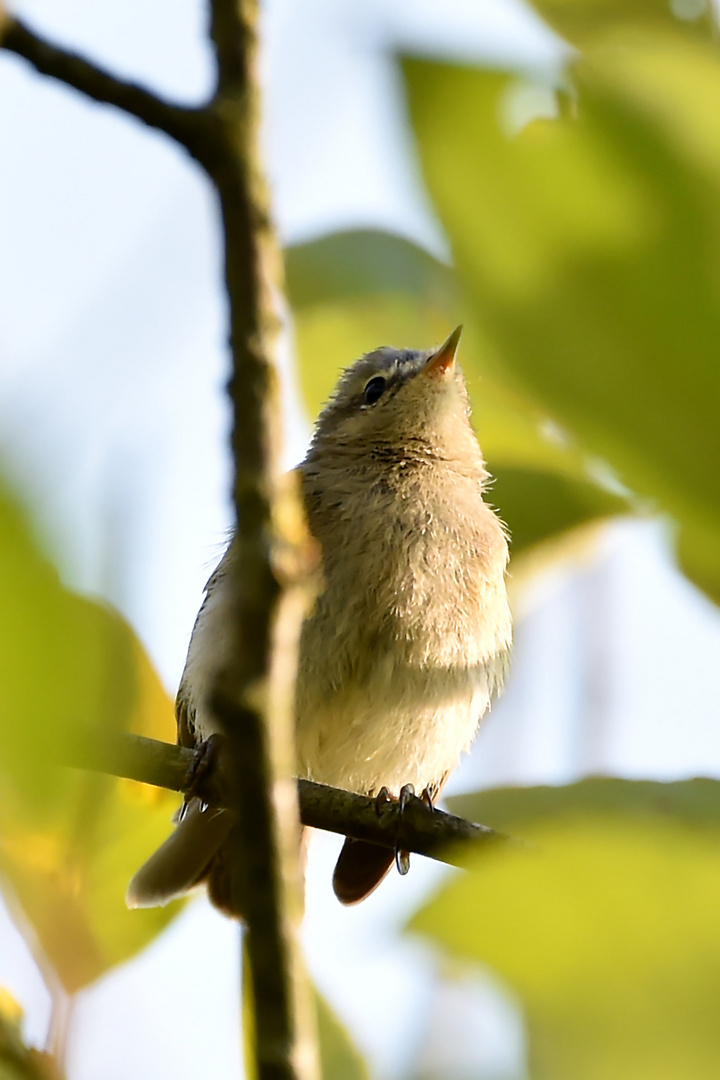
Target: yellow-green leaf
[(608, 931), (585, 21), (591, 249), (70, 839), (340, 1059)]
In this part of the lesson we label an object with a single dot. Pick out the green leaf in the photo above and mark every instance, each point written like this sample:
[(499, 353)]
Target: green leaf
[(511, 809), (590, 249), (17, 1061), (363, 262), (71, 840), (354, 291), (340, 1058), (584, 21), (540, 503), (607, 929)]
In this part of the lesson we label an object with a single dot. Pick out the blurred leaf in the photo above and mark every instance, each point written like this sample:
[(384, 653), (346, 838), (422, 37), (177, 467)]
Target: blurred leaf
[(340, 1058), (541, 504), (511, 809), (363, 262), (583, 21), (608, 931), (590, 250), (354, 291), (17, 1061), (71, 840), (247, 1014)]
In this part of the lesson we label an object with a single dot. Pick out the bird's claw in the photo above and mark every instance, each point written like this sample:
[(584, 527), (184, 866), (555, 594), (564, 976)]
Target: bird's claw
[(407, 792), (402, 858), (427, 799), (402, 861), (202, 769), (383, 797)]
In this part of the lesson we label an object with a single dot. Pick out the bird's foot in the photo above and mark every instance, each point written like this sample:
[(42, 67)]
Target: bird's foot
[(202, 770), (383, 797)]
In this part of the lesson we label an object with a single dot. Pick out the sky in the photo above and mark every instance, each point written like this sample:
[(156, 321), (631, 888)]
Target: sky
[(114, 424)]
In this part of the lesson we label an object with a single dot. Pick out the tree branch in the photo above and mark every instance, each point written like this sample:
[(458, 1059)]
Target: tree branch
[(417, 828), (254, 697), (253, 700), (182, 124)]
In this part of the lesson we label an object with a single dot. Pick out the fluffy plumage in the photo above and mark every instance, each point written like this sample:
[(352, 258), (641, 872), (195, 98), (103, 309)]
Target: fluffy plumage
[(409, 636)]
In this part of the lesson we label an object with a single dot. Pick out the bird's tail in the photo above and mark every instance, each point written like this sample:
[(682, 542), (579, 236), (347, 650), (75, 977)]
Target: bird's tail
[(187, 857), (360, 869)]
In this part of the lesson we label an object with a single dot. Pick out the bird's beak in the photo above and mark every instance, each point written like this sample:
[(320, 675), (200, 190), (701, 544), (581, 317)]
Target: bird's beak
[(442, 362)]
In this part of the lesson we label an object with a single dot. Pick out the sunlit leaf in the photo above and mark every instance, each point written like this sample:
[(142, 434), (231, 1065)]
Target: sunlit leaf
[(354, 291), (71, 840), (591, 249), (608, 931)]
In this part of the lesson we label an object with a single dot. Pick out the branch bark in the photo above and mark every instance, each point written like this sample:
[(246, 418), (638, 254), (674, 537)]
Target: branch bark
[(182, 124), (417, 828), (254, 695)]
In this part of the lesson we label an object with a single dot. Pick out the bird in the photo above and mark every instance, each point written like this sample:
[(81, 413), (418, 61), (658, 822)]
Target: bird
[(410, 634)]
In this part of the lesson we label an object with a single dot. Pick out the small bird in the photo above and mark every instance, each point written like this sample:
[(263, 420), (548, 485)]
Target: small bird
[(409, 636)]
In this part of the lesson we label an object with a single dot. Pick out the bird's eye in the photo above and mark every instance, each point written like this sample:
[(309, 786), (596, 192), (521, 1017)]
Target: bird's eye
[(374, 390)]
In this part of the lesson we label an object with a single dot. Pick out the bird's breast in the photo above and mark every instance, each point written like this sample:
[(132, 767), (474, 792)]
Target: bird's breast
[(407, 639)]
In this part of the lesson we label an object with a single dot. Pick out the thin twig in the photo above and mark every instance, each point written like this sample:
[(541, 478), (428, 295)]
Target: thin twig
[(417, 828), (179, 122)]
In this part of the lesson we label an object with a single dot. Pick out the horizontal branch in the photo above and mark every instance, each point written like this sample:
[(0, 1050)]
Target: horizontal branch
[(179, 122), (416, 828)]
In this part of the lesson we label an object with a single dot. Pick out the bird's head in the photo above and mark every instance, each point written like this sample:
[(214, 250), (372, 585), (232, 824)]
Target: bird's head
[(400, 399)]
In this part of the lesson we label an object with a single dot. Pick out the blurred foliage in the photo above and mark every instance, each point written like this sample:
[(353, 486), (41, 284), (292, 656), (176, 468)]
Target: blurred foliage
[(607, 928), (339, 1057), (247, 1017), (353, 291), (71, 840), (584, 22), (589, 245), (512, 809), (17, 1061)]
